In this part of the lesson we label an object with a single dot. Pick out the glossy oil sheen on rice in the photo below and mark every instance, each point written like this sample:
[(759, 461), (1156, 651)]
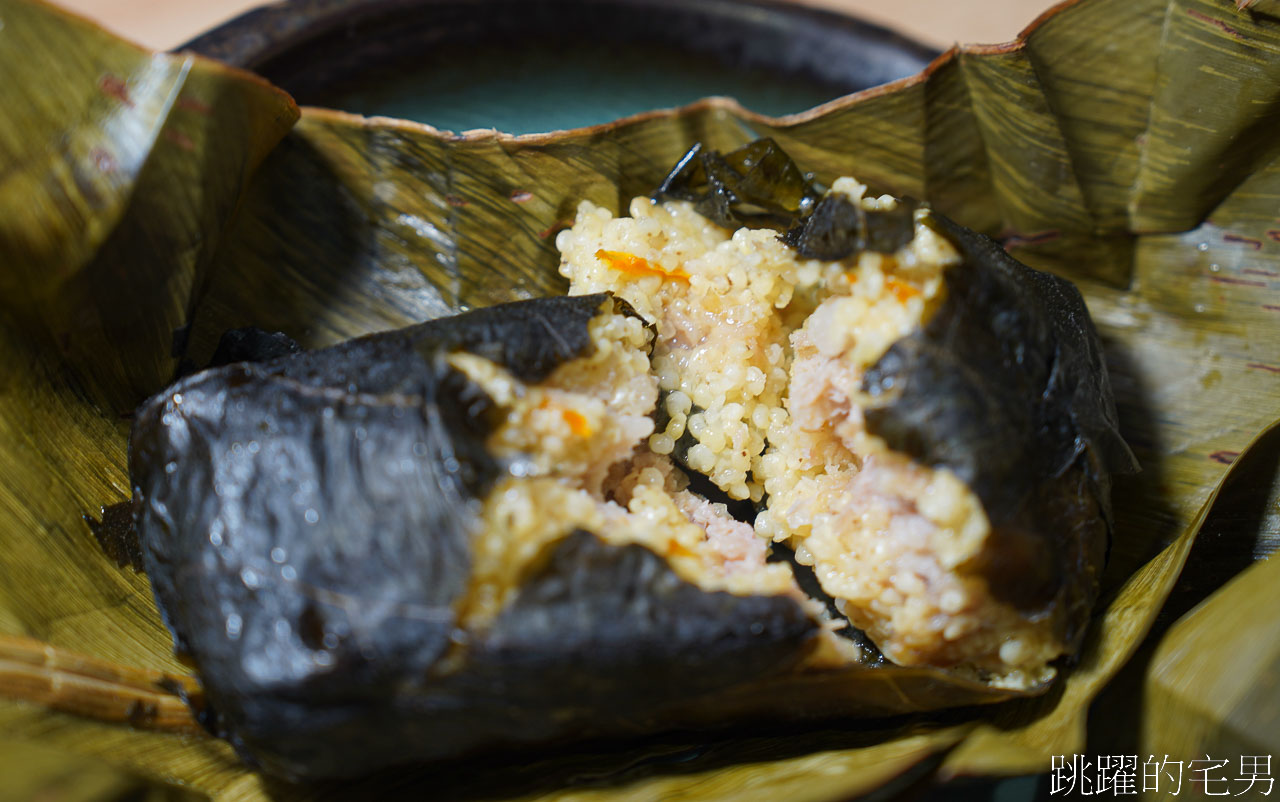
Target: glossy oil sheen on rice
[(925, 422), (482, 531)]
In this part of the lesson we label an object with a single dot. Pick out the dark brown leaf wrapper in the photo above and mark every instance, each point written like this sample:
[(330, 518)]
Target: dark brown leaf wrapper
[(322, 651)]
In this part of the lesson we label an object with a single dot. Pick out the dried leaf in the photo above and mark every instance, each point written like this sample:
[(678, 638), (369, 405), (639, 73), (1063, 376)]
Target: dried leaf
[(1126, 146)]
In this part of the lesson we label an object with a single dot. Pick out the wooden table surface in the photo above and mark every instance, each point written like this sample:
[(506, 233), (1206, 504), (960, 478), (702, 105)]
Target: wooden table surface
[(163, 24)]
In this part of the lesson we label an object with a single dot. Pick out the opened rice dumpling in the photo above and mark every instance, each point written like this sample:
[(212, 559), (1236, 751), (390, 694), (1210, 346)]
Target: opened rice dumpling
[(484, 531), (925, 421)]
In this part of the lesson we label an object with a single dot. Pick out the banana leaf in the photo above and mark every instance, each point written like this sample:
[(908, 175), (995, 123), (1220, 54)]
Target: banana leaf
[(119, 169), (1126, 146), (1261, 6), (1203, 705)]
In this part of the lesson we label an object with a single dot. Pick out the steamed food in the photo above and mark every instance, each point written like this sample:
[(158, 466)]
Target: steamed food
[(400, 548), (926, 422), (513, 526)]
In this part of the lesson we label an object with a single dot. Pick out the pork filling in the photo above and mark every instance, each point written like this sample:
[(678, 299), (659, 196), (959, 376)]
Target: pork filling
[(758, 362), (575, 446)]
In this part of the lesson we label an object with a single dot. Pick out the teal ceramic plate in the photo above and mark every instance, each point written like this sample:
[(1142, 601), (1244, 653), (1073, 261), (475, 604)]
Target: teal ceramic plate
[(525, 66)]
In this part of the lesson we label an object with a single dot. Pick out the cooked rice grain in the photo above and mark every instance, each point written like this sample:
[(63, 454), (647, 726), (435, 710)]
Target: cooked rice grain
[(759, 358)]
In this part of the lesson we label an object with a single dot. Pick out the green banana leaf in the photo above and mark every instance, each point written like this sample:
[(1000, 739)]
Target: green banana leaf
[(1129, 146), (1271, 7), (1203, 705), (119, 169)]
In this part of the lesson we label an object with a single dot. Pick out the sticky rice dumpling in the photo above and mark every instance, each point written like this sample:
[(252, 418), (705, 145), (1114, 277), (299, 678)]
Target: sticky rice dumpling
[(778, 436)]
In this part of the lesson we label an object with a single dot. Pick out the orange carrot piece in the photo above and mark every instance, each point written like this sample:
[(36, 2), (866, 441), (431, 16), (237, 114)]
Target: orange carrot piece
[(578, 424), (900, 289), (677, 549), (634, 265)]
